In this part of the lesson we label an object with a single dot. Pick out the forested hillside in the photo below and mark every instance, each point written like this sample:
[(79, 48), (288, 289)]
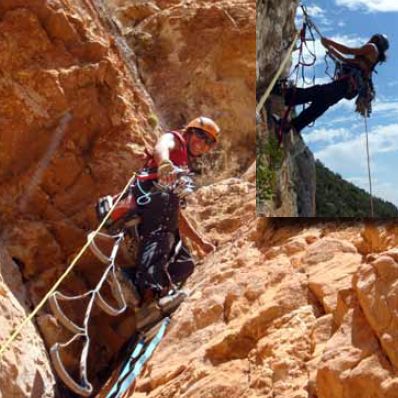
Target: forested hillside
[(336, 197)]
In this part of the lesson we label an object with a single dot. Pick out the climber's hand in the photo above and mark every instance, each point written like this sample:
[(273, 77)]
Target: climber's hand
[(166, 173)]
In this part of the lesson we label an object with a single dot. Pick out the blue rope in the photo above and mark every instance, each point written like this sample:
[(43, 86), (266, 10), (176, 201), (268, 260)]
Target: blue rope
[(145, 198), (130, 374), (127, 367)]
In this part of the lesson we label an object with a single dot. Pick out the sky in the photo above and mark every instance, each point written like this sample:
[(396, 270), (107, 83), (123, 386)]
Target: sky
[(338, 137)]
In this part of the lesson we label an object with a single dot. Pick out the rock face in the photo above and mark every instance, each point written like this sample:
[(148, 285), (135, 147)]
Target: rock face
[(286, 310), (196, 57), (71, 113), (74, 121), (24, 371), (285, 171), (83, 93)]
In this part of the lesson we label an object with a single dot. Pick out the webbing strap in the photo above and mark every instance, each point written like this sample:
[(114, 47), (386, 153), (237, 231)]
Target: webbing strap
[(126, 369), (120, 389), (17, 331)]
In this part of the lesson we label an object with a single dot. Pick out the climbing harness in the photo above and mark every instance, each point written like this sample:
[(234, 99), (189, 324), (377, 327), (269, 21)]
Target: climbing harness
[(125, 214), (140, 355), (359, 85)]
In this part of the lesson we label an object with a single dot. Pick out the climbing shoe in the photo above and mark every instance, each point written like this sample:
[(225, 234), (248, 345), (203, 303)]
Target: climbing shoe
[(172, 301), (147, 315), (150, 313), (280, 124)]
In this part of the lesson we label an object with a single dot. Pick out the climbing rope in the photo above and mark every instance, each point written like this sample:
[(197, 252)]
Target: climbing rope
[(369, 172), (17, 331)]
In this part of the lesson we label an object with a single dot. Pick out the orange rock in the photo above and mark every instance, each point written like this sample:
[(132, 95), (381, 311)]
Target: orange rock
[(24, 369), (377, 294)]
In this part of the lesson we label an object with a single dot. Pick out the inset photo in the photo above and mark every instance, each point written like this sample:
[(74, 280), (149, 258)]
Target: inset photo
[(326, 110)]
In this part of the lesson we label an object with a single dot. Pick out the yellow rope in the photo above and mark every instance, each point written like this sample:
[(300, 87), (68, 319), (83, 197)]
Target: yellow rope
[(369, 174), (278, 73), (6, 345)]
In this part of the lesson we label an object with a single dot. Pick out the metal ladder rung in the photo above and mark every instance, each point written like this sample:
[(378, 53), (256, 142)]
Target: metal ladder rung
[(100, 301), (60, 315), (84, 390)]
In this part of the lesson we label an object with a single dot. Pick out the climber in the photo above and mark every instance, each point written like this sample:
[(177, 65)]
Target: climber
[(354, 79), (161, 216)]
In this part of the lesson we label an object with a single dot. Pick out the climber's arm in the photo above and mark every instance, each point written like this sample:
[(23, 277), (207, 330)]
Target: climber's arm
[(161, 154), (188, 230), (163, 147), (340, 57), (367, 50)]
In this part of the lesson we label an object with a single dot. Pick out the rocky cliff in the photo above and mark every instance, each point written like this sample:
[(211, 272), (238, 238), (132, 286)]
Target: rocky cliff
[(86, 85), (286, 170), (287, 309)]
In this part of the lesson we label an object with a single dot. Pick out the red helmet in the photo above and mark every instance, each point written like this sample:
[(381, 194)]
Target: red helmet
[(206, 124)]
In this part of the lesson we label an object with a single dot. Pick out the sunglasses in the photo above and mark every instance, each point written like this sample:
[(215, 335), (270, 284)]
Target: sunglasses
[(204, 137)]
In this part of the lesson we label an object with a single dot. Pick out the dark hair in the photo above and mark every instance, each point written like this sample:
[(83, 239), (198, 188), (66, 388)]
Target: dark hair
[(382, 45)]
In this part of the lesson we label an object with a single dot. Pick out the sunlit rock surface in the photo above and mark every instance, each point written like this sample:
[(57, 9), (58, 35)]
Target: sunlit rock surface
[(290, 311), (82, 96)]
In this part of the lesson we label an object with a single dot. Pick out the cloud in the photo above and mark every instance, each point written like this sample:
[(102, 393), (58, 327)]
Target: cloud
[(346, 156), (387, 108), (387, 191), (370, 5), (381, 189), (318, 80), (349, 40), (382, 108), (345, 119), (343, 105), (319, 16), (327, 135)]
